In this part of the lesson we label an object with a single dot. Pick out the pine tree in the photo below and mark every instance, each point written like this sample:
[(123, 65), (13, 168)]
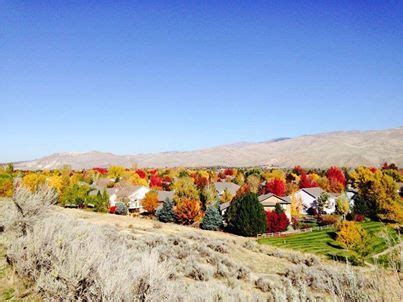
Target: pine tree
[(246, 216), (166, 213), (212, 219)]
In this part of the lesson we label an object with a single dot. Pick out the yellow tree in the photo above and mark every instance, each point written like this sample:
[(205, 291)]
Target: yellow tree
[(273, 174), (377, 194), (33, 181), (135, 179), (55, 182), (226, 196), (185, 188), (353, 237), (296, 206), (253, 182), (115, 171)]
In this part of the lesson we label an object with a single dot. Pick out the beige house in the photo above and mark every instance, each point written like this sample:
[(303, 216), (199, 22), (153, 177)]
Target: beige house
[(270, 200)]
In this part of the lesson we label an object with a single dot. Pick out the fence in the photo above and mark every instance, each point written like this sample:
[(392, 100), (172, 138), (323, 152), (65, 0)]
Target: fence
[(293, 232)]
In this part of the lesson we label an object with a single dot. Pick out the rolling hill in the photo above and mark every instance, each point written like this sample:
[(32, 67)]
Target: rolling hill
[(344, 148)]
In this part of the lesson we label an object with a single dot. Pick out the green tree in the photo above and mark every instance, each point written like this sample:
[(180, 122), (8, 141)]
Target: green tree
[(166, 212), (212, 219), (246, 216), (342, 205), (321, 202)]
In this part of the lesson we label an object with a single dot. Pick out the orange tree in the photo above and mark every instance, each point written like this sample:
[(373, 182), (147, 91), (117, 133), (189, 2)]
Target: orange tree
[(188, 211), (150, 202)]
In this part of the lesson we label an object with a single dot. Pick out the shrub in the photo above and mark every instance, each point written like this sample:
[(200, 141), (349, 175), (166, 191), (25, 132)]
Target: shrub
[(187, 211), (359, 217), (112, 209), (212, 219), (327, 220), (121, 209), (276, 222), (166, 212), (246, 216), (150, 202)]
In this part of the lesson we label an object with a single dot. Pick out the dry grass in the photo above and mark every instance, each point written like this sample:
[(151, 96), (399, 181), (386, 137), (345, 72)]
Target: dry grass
[(70, 258)]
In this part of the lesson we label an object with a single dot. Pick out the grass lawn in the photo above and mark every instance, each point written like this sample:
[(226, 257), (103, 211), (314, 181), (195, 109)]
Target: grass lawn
[(323, 241)]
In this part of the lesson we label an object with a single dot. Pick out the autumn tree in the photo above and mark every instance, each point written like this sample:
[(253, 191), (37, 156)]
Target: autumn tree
[(337, 179), (296, 206), (188, 211), (208, 196), (116, 171), (342, 205), (353, 237), (239, 179), (56, 182), (150, 202), (306, 181), (274, 174), (155, 181), (185, 189), (377, 195), (253, 182), (6, 185), (135, 179), (276, 221), (321, 202), (33, 181), (275, 186), (226, 196)]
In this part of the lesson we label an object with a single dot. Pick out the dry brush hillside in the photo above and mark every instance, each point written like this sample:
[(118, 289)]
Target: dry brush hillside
[(75, 255)]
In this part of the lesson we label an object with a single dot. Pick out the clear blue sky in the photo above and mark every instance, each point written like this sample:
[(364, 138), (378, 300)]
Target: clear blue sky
[(148, 76)]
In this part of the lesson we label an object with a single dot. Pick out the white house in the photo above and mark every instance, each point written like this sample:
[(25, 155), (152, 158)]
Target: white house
[(136, 196), (309, 197)]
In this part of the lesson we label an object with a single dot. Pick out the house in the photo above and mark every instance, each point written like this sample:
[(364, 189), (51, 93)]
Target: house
[(164, 196), (223, 207), (270, 200), (112, 192), (309, 197), (134, 195), (229, 186)]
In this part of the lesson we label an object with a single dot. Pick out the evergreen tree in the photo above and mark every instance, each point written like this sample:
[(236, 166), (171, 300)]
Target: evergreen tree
[(212, 219), (166, 213), (246, 216)]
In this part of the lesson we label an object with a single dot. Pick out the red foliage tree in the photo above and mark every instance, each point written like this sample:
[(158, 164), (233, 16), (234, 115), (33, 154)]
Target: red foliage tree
[(200, 181), (102, 171), (166, 183), (276, 222), (229, 172), (275, 186), (337, 179), (306, 181), (141, 173), (298, 170), (155, 181)]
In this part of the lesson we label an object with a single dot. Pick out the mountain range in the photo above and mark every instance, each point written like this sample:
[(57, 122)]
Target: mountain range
[(342, 148)]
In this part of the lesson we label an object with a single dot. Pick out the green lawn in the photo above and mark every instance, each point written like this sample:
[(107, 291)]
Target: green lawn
[(323, 241)]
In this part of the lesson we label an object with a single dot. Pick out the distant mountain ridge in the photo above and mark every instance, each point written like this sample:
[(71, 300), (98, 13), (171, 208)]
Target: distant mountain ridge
[(342, 148)]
